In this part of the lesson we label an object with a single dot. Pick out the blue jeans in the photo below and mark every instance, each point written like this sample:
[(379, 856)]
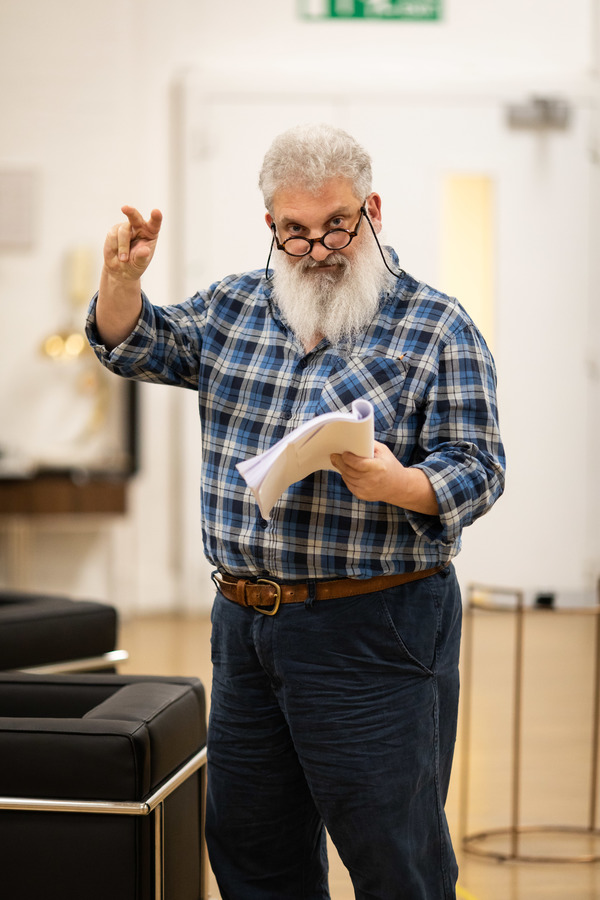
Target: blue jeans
[(341, 713)]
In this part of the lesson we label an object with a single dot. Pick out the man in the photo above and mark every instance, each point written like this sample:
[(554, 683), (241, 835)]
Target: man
[(336, 626)]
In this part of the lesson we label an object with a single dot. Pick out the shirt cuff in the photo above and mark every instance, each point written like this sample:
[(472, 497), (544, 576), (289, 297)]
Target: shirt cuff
[(446, 527), (135, 348)]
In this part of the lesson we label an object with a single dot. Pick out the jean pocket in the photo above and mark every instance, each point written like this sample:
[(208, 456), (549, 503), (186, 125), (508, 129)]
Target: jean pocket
[(412, 616)]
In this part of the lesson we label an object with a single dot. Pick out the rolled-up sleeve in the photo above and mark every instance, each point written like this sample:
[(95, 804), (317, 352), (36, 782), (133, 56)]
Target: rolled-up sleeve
[(163, 347), (460, 449)]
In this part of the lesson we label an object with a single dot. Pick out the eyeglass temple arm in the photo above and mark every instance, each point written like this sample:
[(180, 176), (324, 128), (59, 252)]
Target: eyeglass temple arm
[(273, 239), (401, 273)]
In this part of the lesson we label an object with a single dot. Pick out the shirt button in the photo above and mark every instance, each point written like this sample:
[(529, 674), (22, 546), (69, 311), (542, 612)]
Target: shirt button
[(286, 414), (263, 523), (303, 363)]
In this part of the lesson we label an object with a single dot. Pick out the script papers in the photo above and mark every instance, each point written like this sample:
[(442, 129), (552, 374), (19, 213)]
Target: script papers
[(307, 449)]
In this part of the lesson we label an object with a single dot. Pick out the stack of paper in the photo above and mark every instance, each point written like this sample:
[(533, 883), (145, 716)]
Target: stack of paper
[(307, 449)]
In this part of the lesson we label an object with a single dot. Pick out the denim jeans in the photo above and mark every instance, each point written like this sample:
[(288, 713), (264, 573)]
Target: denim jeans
[(339, 714)]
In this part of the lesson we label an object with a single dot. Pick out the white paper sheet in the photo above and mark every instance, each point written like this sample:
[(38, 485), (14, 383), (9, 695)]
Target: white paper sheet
[(307, 449)]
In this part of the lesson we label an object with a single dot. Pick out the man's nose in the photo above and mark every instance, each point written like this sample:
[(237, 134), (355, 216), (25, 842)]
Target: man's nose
[(319, 252)]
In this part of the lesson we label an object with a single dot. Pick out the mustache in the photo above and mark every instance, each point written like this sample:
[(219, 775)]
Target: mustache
[(334, 259)]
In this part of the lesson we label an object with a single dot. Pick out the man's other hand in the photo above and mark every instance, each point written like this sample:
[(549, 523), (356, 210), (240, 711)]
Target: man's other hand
[(383, 478)]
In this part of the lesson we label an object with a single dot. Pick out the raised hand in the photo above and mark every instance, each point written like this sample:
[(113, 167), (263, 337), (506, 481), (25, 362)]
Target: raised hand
[(129, 246), (128, 250)]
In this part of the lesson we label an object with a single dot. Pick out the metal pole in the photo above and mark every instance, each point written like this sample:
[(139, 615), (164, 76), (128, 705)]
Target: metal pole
[(159, 836), (467, 669), (596, 718), (517, 724)]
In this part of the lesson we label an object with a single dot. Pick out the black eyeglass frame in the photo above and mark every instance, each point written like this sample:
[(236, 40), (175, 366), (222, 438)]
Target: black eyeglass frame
[(320, 240)]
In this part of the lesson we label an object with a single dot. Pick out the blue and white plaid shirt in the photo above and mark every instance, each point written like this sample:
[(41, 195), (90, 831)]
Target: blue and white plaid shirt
[(423, 365)]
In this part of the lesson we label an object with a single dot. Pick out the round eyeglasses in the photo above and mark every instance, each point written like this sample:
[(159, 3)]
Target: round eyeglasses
[(335, 239)]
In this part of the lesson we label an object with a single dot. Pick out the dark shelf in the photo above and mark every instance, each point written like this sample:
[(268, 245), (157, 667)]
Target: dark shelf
[(63, 493)]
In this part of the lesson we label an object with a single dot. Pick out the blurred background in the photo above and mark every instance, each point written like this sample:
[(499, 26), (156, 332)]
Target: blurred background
[(482, 121)]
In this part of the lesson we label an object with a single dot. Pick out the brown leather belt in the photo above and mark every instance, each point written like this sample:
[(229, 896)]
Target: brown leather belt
[(266, 593)]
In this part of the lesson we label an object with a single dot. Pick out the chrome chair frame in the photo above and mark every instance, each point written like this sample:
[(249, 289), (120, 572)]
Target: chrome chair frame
[(154, 804), (77, 666)]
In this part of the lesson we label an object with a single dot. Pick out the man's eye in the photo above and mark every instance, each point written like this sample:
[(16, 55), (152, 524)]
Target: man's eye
[(337, 222)]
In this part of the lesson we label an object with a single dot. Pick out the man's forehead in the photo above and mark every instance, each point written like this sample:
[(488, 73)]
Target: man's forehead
[(334, 196)]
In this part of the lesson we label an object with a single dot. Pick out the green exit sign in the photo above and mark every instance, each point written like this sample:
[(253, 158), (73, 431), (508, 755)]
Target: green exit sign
[(415, 10)]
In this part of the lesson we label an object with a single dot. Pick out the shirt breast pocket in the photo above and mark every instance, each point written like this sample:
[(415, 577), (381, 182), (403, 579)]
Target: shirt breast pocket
[(379, 379)]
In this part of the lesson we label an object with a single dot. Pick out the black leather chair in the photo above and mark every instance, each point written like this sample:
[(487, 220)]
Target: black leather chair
[(102, 787), (49, 633)]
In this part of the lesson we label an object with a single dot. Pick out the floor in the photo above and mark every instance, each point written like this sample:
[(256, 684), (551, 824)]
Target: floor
[(556, 747)]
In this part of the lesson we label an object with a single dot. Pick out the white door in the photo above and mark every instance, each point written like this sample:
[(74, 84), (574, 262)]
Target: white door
[(540, 535)]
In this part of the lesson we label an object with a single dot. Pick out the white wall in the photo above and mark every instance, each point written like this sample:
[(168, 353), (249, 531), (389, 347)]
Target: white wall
[(85, 94)]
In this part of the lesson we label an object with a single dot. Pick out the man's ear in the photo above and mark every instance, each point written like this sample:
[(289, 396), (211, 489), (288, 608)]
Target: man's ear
[(373, 207), (269, 219)]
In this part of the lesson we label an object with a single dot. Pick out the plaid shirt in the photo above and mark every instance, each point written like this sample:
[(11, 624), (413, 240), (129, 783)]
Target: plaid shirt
[(422, 364)]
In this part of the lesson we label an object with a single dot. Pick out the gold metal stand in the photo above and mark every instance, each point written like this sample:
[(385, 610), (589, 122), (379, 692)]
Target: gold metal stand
[(479, 598)]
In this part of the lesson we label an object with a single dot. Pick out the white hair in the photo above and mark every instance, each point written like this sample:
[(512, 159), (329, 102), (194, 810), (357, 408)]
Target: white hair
[(309, 155)]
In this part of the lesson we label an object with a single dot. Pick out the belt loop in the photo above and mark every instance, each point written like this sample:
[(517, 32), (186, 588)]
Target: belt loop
[(240, 590), (312, 593)]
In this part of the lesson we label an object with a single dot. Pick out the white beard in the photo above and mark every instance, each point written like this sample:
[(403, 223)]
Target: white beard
[(338, 304)]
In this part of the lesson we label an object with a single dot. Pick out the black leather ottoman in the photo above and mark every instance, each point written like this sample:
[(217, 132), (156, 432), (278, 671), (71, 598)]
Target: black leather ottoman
[(102, 787), (57, 633)]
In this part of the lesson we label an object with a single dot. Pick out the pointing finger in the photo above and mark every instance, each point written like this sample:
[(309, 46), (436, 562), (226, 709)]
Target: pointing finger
[(138, 224), (155, 220), (135, 217)]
